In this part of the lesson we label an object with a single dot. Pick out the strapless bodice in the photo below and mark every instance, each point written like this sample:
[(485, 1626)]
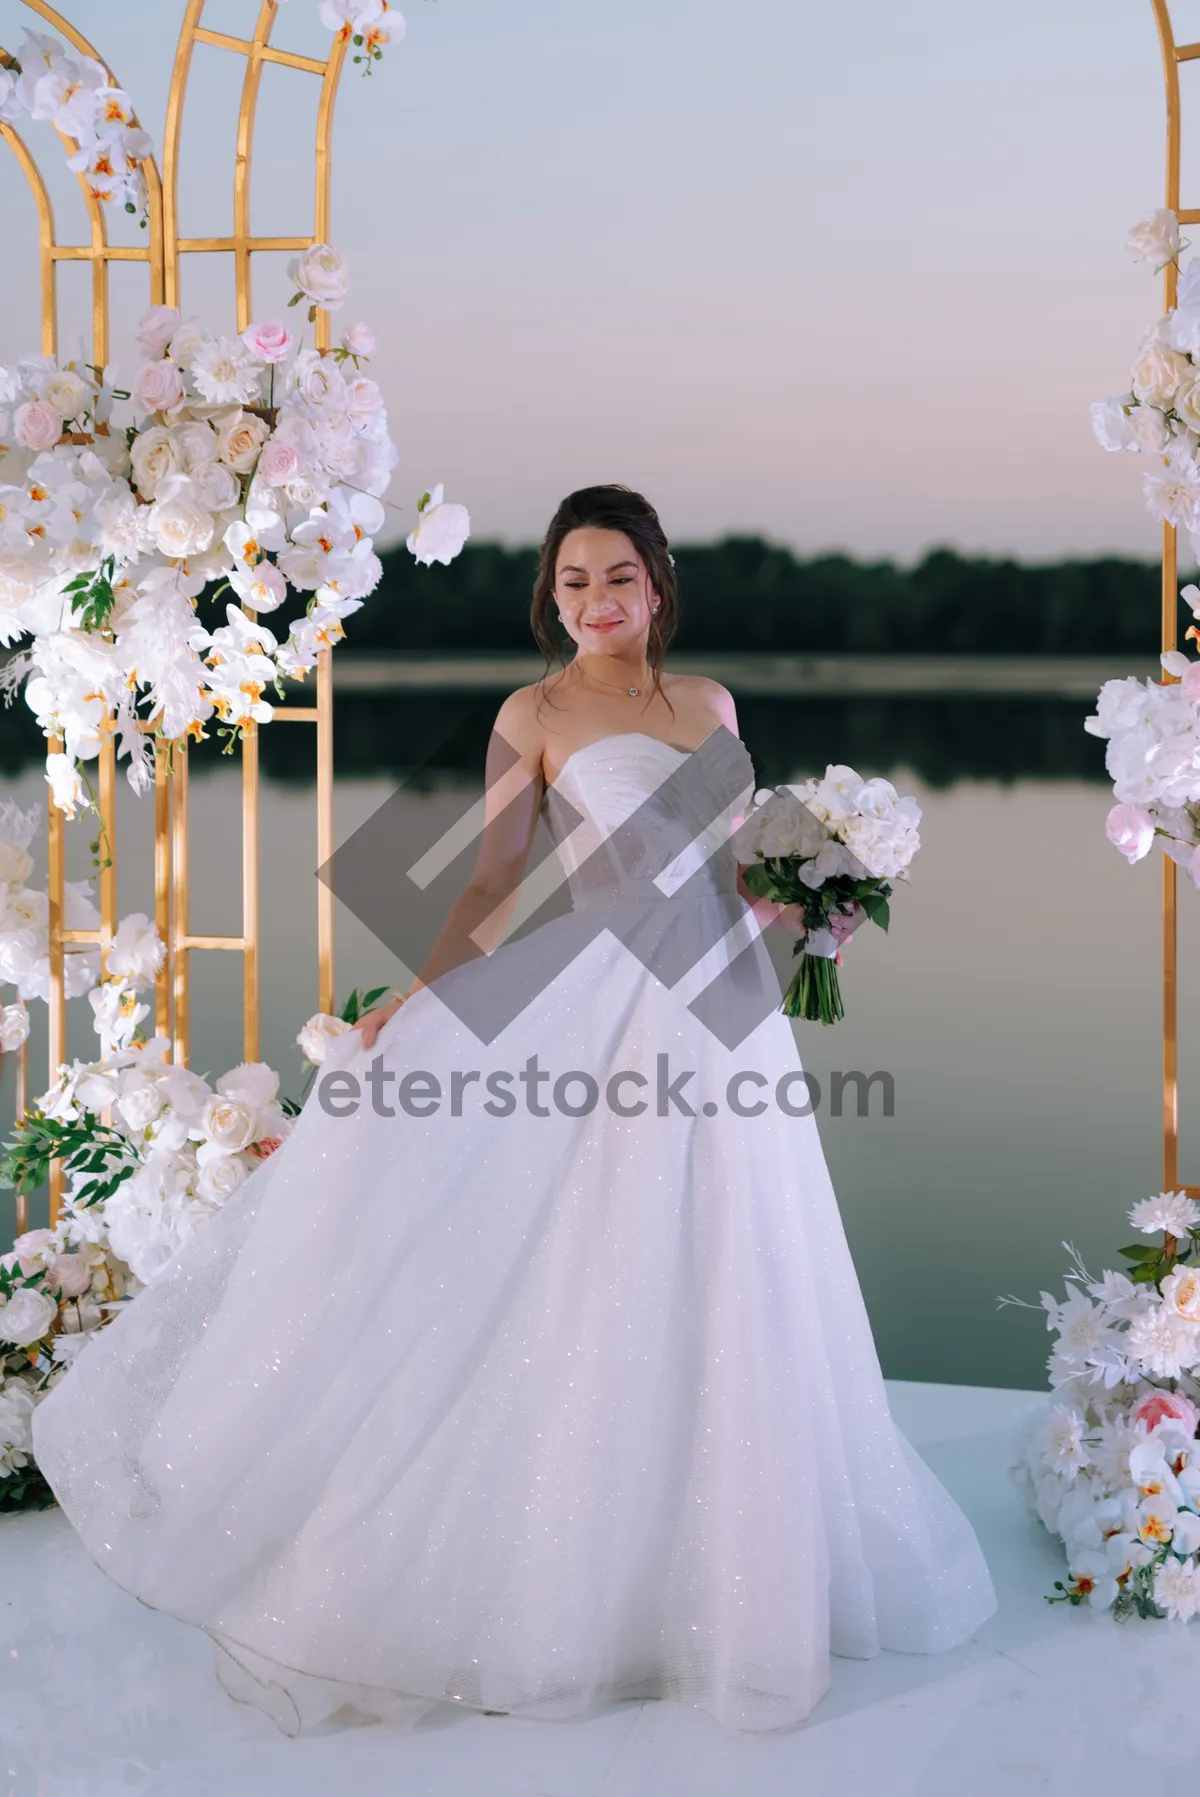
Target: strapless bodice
[(635, 819)]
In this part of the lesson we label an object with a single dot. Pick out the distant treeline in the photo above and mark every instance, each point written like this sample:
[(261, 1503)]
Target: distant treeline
[(747, 595)]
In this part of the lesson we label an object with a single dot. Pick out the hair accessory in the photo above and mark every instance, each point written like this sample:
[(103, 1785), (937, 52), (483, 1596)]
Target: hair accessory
[(670, 558)]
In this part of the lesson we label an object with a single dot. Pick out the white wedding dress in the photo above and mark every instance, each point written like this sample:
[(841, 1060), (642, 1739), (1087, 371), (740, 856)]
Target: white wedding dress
[(533, 1412)]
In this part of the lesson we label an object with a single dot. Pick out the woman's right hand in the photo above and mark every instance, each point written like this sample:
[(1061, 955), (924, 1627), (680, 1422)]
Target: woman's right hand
[(371, 1022)]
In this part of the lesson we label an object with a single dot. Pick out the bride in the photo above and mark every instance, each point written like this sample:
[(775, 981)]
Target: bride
[(541, 1379)]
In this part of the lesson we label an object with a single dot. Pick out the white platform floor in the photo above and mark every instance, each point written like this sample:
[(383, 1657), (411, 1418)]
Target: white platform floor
[(99, 1696)]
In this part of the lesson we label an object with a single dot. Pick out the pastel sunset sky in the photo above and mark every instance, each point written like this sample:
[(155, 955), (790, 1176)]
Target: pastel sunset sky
[(845, 275)]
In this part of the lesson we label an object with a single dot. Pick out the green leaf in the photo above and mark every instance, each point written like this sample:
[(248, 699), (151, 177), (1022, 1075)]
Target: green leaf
[(1144, 1274), (1141, 1251), (295, 299)]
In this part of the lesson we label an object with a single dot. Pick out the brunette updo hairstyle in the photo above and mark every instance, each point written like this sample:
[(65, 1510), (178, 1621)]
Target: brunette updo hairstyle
[(607, 508)]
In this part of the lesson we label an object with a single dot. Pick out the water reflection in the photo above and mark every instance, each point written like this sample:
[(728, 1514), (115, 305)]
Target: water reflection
[(1015, 1001)]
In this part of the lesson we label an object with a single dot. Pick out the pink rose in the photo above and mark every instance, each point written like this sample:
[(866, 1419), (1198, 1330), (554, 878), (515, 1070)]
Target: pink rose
[(268, 342), (70, 1274), (1166, 1406), (1130, 829), (38, 425), (278, 463), (31, 1247), (1191, 684), (157, 327), (358, 340), (266, 1145), (158, 387)]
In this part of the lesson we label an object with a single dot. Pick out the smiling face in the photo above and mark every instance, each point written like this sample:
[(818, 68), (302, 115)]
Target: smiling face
[(603, 591)]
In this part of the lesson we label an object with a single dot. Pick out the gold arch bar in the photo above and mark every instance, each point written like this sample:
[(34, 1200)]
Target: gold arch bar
[(1172, 55), (242, 244)]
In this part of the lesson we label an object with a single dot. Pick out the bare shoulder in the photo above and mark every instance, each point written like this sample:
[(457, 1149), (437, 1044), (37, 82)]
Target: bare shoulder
[(702, 697), (519, 724)]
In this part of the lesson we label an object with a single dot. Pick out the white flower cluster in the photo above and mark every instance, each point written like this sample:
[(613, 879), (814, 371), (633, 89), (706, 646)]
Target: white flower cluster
[(25, 927), (192, 1146), (57, 1296), (251, 461), (838, 825), (1153, 756), (1113, 1466), (1160, 413), (75, 94)]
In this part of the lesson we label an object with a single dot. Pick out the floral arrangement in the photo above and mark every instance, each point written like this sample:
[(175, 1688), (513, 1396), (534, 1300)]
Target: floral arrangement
[(1152, 728), (832, 846), (252, 462), (137, 1188), (151, 1151), (1113, 1464)]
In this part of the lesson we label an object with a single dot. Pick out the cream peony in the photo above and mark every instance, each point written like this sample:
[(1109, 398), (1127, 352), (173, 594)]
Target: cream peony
[(155, 454), (322, 275), (1157, 374), (240, 436)]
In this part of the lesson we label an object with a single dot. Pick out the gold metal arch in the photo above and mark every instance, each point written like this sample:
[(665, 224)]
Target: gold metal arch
[(1173, 54), (163, 254)]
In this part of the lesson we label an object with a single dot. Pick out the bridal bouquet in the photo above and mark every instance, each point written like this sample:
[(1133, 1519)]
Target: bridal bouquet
[(1112, 1466), (833, 846)]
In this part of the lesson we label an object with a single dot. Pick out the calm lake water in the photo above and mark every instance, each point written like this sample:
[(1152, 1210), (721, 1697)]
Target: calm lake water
[(1015, 1001)]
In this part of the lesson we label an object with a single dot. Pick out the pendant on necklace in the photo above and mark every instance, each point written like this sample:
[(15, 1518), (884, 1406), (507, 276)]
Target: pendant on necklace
[(634, 691)]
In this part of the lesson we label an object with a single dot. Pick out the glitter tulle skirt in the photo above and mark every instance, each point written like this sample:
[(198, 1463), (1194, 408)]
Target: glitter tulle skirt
[(521, 1412)]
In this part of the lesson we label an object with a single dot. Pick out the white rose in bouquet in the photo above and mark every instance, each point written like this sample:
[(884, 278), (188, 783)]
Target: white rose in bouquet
[(27, 1316), (219, 1174), (1158, 371), (230, 1123)]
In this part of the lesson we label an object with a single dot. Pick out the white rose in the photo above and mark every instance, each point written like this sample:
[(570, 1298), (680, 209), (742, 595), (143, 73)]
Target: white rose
[(363, 400), (156, 328), (320, 382), (1157, 374), (67, 392), (252, 1081), (179, 527), (27, 1316), (239, 439), (188, 341), (16, 863), (195, 444), (155, 455), (140, 1104), (318, 1033), (1155, 238), (322, 275), (1181, 1292), (229, 1122), (440, 532), (220, 1176), (14, 1026), (215, 487), (1148, 427), (158, 387), (358, 340), (307, 490)]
